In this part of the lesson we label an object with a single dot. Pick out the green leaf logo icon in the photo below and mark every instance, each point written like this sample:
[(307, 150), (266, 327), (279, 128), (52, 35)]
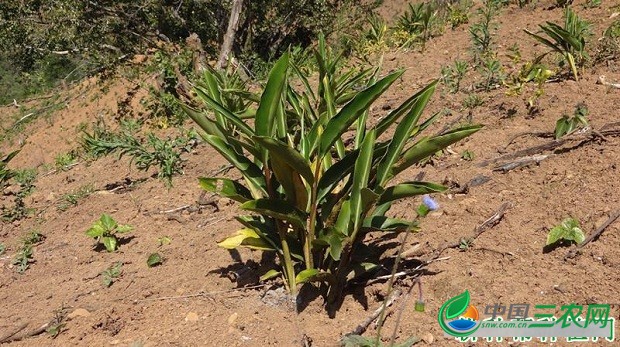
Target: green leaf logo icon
[(456, 305)]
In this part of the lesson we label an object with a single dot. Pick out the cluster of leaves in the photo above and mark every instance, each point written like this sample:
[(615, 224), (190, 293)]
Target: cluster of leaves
[(568, 41), (25, 179), (567, 125), (568, 231), (23, 258), (452, 76), (419, 23), (608, 47), (105, 231), (316, 189), (152, 151), (111, 274)]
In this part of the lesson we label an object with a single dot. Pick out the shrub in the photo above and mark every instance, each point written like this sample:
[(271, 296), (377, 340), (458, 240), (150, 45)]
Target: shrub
[(312, 205)]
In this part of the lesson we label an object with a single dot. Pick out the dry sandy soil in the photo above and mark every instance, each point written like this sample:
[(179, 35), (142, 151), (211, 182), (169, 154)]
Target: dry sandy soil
[(190, 301)]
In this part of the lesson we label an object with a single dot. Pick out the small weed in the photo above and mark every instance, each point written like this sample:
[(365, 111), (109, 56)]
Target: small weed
[(26, 178), (5, 173), (567, 125), (105, 230), (481, 32), (73, 198), (568, 231), (110, 274), (472, 101), (467, 155), (2, 248), (453, 75), (164, 240), (458, 13), (592, 4), (63, 161), (153, 151), (57, 325), (492, 73), (23, 258)]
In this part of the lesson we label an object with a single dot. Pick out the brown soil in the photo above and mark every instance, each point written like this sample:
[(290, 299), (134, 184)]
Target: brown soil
[(190, 301)]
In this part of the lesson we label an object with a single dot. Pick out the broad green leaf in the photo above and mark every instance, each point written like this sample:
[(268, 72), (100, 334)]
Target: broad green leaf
[(248, 238), (278, 209), (562, 127), (233, 118), (108, 222), (248, 169), (313, 275), (568, 230), (354, 109), (96, 230), (271, 97), (361, 175), (361, 269), (109, 242), (226, 187), (154, 259), (291, 182), (269, 275), (121, 229), (335, 240), (288, 155), (428, 146), (206, 124), (402, 134), (382, 223), (408, 189)]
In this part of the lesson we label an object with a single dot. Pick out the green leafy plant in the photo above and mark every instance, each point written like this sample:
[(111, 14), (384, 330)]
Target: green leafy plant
[(569, 231), (472, 101), (492, 73), (480, 32), (165, 154), (111, 274), (154, 259), (468, 155), (458, 13), (592, 4), (164, 240), (568, 41), (452, 76), (417, 21), (73, 198), (64, 160), (23, 258), (5, 173), (567, 125), (2, 248), (313, 203), (105, 230)]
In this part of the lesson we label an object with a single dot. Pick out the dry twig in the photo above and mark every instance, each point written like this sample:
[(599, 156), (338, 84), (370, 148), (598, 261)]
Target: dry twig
[(575, 251), (359, 330)]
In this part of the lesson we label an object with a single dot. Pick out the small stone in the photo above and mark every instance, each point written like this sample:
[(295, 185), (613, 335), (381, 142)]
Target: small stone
[(233, 318), (428, 338), (79, 312), (191, 317)]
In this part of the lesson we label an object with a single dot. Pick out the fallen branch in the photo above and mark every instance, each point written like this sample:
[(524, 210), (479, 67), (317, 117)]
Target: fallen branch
[(6, 337), (14, 337), (202, 294), (575, 251), (586, 136), (487, 224), (525, 161), (361, 328)]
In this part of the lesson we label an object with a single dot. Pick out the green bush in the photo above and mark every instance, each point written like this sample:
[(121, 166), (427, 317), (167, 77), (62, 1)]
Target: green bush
[(311, 203)]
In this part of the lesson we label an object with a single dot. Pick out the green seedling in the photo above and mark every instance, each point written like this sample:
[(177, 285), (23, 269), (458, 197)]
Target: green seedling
[(154, 259), (567, 125), (110, 274), (105, 230), (568, 231)]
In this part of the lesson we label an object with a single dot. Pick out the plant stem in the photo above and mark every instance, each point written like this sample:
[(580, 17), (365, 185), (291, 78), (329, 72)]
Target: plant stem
[(289, 269), (391, 285), (311, 234)]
